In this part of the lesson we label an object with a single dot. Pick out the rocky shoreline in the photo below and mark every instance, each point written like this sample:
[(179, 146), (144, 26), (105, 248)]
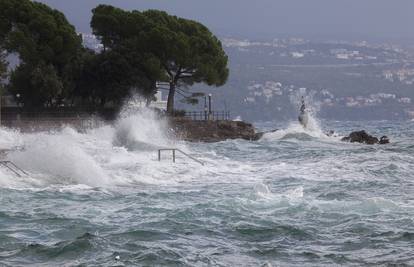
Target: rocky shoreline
[(181, 128), (216, 131), (213, 131)]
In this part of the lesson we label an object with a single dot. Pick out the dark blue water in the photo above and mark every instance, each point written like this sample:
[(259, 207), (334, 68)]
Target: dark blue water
[(295, 198)]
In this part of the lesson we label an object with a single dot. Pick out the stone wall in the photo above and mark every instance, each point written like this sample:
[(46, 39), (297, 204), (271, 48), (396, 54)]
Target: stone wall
[(182, 128), (212, 131)]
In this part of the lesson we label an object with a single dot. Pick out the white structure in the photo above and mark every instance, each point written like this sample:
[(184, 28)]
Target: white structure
[(140, 102), (297, 55), (159, 103)]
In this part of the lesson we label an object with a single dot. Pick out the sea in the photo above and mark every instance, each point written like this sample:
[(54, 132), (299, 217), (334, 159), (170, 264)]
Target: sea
[(101, 197)]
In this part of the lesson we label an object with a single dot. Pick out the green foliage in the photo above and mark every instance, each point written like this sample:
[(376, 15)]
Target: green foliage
[(146, 68), (190, 100), (198, 94), (183, 52), (3, 70), (46, 44), (37, 33), (105, 78), (123, 33), (37, 85), (140, 48), (188, 50)]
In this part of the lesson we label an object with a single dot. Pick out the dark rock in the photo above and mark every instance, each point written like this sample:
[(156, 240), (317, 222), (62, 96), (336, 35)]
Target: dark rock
[(384, 140), (212, 131), (259, 135), (330, 133), (364, 138)]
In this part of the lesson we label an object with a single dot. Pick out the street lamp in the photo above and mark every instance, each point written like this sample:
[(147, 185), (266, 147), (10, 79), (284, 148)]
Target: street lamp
[(18, 105), (205, 107), (209, 106), (1, 97)]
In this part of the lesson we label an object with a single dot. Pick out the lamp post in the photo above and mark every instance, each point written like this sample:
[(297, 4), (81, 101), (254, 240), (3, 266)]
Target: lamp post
[(209, 106), (205, 107), (225, 110), (18, 105)]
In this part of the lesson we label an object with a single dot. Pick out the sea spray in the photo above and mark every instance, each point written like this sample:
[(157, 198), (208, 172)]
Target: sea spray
[(295, 130), (312, 107), (10, 138), (121, 153), (59, 158), (141, 129)]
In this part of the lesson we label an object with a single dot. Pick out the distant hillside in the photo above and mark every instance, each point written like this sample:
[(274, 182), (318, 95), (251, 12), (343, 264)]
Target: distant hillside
[(345, 81), (341, 80)]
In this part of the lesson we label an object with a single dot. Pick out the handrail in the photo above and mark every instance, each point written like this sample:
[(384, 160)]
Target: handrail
[(179, 150), (6, 164), (205, 115), (191, 157), (17, 167)]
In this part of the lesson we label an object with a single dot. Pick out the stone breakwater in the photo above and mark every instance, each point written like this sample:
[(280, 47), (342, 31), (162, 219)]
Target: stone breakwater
[(212, 131)]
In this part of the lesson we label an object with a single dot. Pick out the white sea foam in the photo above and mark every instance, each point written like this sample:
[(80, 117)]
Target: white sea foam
[(124, 153), (267, 201), (141, 130), (295, 130), (59, 158)]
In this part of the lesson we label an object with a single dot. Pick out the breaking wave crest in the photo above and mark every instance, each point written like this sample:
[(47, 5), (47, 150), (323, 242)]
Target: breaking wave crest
[(296, 131), (141, 130), (94, 157)]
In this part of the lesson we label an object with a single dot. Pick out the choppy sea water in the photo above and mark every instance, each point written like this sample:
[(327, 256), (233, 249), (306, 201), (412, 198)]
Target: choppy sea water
[(294, 198)]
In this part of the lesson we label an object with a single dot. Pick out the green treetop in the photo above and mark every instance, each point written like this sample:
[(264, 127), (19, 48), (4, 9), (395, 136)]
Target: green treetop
[(46, 44), (3, 70), (185, 51)]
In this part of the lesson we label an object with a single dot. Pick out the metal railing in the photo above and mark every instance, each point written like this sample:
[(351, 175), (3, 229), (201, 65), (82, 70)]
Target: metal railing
[(204, 115), (174, 153), (13, 168)]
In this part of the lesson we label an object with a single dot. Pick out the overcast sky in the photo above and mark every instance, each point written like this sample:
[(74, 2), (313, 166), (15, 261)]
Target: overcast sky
[(335, 19)]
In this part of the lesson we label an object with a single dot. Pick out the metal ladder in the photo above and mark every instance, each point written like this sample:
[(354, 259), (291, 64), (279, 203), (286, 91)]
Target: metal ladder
[(13, 168), (174, 152)]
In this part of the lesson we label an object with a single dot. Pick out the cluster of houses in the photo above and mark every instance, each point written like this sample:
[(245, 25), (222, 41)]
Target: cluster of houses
[(268, 90), (404, 75)]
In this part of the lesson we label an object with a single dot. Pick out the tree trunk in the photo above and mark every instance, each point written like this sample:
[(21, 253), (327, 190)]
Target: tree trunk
[(170, 101), (103, 101)]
